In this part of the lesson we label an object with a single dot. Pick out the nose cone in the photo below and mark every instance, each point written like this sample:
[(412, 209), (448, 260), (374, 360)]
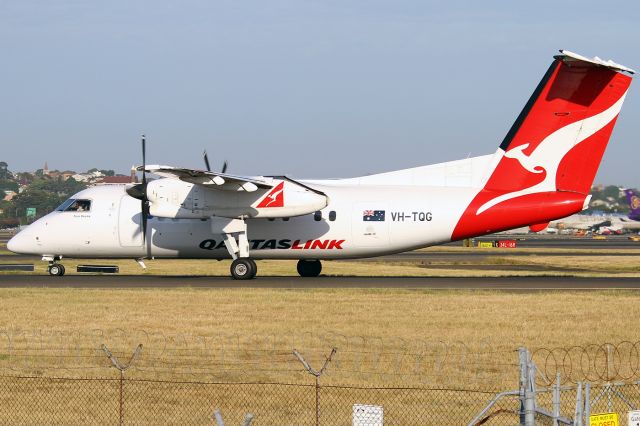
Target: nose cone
[(21, 243)]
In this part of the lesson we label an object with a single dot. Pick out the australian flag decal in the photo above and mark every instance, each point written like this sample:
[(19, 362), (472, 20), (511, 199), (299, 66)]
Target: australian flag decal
[(373, 215)]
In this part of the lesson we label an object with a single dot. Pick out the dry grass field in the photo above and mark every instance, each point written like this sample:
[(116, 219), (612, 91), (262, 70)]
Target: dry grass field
[(384, 321), (384, 337)]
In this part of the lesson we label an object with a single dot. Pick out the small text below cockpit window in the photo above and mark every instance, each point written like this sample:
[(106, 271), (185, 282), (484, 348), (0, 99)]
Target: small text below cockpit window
[(73, 205)]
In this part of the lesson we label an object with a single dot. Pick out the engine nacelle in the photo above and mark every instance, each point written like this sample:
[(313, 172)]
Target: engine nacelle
[(173, 198)]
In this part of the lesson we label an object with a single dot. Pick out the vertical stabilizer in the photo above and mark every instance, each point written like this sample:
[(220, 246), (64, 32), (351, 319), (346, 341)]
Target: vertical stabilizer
[(552, 152)]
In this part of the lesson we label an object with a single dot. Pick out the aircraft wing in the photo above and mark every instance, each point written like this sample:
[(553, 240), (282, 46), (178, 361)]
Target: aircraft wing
[(212, 180)]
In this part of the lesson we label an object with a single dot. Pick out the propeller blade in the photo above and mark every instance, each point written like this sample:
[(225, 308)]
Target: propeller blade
[(206, 161), (144, 208), (224, 166), (144, 165)]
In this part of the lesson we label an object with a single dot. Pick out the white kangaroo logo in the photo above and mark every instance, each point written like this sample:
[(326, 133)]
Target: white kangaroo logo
[(547, 156), (273, 197)]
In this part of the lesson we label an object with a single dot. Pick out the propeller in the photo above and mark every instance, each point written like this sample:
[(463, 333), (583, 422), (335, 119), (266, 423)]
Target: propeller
[(206, 163), (139, 192)]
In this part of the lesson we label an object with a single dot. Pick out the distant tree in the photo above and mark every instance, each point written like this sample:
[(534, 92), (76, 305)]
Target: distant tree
[(4, 171), (92, 170), (39, 173), (58, 186), (611, 191), (24, 178), (8, 185), (108, 172), (44, 201)]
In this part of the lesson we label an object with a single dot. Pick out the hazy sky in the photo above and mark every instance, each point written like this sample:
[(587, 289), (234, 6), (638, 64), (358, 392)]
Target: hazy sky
[(309, 88)]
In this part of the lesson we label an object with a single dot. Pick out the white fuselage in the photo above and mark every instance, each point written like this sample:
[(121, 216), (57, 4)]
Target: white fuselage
[(415, 216)]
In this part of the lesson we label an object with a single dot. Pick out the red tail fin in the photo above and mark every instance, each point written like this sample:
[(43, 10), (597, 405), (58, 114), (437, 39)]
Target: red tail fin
[(553, 150)]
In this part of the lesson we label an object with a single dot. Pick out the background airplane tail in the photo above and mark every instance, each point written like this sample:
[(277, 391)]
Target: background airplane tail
[(546, 163), (634, 204)]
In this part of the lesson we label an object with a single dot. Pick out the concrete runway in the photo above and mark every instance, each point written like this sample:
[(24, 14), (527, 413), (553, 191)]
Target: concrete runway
[(582, 245), (527, 284)]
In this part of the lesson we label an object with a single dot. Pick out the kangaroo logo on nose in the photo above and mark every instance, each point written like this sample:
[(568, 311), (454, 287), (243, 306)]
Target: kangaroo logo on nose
[(547, 156)]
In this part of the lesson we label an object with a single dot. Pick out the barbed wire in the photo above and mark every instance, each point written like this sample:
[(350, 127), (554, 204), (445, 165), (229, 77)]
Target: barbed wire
[(219, 355), (359, 357), (606, 362)]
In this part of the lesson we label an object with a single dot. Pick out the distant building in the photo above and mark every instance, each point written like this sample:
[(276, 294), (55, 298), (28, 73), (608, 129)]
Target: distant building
[(8, 195), (67, 174), (114, 179), (81, 177)]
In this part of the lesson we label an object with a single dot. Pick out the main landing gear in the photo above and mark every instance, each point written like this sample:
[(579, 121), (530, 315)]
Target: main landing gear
[(309, 268), (237, 243), (234, 232), (243, 268)]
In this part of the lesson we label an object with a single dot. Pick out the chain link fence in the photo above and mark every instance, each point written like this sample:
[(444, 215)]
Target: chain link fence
[(67, 379)]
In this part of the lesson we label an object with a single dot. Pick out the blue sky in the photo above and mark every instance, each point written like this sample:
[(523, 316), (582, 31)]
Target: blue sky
[(308, 88)]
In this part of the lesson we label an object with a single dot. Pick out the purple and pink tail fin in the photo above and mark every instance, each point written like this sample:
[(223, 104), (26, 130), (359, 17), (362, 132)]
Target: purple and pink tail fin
[(634, 204)]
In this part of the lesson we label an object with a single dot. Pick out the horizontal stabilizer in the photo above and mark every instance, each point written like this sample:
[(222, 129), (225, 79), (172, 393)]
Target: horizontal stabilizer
[(569, 57)]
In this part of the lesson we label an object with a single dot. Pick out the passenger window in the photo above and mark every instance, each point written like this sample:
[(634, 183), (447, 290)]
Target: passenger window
[(317, 216), (286, 219), (332, 215), (79, 206)]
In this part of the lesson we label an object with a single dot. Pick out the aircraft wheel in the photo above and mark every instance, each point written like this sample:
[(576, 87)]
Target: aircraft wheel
[(56, 270), (253, 265), (243, 268), (309, 268)]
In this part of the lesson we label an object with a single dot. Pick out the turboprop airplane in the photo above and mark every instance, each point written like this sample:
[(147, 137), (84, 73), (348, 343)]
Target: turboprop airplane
[(542, 171)]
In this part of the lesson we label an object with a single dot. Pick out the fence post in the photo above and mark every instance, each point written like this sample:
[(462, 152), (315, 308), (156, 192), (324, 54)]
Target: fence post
[(530, 396), (523, 358), (316, 374), (122, 368), (556, 400), (218, 418), (609, 378), (587, 404), (578, 415)]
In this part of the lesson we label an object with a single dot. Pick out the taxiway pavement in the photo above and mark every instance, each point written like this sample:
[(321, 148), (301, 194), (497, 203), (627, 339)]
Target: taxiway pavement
[(529, 283)]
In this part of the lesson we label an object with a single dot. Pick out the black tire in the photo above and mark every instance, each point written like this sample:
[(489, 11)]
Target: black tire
[(253, 265), (56, 270), (243, 268), (309, 268)]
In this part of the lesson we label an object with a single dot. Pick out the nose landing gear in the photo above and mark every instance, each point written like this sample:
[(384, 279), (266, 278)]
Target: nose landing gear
[(56, 269)]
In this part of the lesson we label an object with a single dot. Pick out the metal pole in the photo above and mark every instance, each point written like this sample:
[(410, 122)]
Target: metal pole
[(530, 397), (587, 404), (523, 358), (318, 400), (577, 417), (317, 374), (218, 418), (556, 400), (121, 412), (609, 378), (122, 368)]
